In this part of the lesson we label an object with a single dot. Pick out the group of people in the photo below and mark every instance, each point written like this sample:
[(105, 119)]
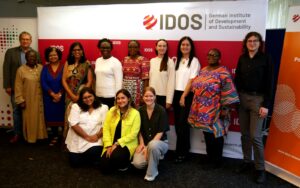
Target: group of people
[(115, 113)]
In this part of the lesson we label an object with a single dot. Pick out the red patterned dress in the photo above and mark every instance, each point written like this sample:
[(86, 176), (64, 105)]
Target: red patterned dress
[(135, 71)]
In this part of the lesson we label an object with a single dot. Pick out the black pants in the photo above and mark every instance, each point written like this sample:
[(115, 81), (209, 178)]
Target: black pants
[(110, 102), (214, 147), (161, 100), (89, 157), (119, 159), (182, 127)]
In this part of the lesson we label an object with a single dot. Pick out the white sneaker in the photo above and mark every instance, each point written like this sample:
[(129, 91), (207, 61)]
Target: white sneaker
[(150, 178)]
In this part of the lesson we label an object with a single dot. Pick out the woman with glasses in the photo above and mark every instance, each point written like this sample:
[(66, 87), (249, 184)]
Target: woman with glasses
[(77, 72), (76, 75), (214, 94), (254, 78), (108, 71), (135, 72), (84, 139)]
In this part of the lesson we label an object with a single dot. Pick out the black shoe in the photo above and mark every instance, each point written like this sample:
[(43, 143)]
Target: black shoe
[(260, 176), (244, 167)]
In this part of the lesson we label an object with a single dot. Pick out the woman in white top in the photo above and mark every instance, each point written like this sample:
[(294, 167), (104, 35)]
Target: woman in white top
[(187, 67), (84, 139), (162, 74), (109, 75)]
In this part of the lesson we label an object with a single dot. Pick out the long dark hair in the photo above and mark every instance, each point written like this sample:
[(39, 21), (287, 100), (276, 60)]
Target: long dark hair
[(71, 59), (165, 59), (84, 107), (179, 53), (250, 34)]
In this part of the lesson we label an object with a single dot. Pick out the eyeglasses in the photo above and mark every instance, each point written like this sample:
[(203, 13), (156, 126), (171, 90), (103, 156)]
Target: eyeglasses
[(87, 97), (252, 41), (212, 55)]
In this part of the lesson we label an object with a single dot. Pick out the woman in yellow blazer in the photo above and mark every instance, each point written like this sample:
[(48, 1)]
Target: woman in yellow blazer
[(120, 134)]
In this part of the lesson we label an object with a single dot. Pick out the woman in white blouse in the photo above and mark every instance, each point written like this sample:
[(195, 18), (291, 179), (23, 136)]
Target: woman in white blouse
[(187, 67), (84, 139), (162, 74), (109, 74)]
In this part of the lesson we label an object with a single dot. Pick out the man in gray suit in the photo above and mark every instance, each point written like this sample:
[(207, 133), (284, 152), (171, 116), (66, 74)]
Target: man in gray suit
[(14, 58)]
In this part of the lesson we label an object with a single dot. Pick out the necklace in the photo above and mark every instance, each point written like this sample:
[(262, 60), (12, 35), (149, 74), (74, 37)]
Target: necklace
[(75, 70)]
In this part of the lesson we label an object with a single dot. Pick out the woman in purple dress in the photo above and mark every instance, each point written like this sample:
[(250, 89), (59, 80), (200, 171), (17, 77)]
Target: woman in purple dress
[(53, 92)]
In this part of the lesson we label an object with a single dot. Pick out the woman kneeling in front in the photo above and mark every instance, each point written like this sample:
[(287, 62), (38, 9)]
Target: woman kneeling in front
[(120, 134), (152, 138), (84, 139)]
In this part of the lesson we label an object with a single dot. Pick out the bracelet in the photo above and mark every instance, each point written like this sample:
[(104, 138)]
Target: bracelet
[(116, 143)]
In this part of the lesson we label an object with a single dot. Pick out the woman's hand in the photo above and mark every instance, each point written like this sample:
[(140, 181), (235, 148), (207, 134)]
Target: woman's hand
[(182, 101), (23, 105), (140, 148), (263, 112), (108, 151), (145, 153), (75, 98), (92, 138), (56, 97), (114, 146), (168, 106)]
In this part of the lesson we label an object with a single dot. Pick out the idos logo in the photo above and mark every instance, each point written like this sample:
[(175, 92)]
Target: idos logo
[(172, 22), (296, 17), (149, 21)]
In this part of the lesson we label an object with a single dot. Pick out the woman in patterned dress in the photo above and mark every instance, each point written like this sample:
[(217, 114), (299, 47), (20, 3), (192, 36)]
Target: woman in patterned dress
[(76, 75), (214, 94), (135, 72)]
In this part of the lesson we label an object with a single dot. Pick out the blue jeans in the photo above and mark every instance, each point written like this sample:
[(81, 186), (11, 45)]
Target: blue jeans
[(156, 151), (17, 116)]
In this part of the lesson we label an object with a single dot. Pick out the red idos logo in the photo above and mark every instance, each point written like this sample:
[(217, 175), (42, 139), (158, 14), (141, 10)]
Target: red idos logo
[(149, 21), (296, 17)]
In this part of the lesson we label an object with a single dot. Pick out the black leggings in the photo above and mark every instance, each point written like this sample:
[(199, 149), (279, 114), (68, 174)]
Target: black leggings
[(110, 102), (214, 147), (119, 159), (89, 157)]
